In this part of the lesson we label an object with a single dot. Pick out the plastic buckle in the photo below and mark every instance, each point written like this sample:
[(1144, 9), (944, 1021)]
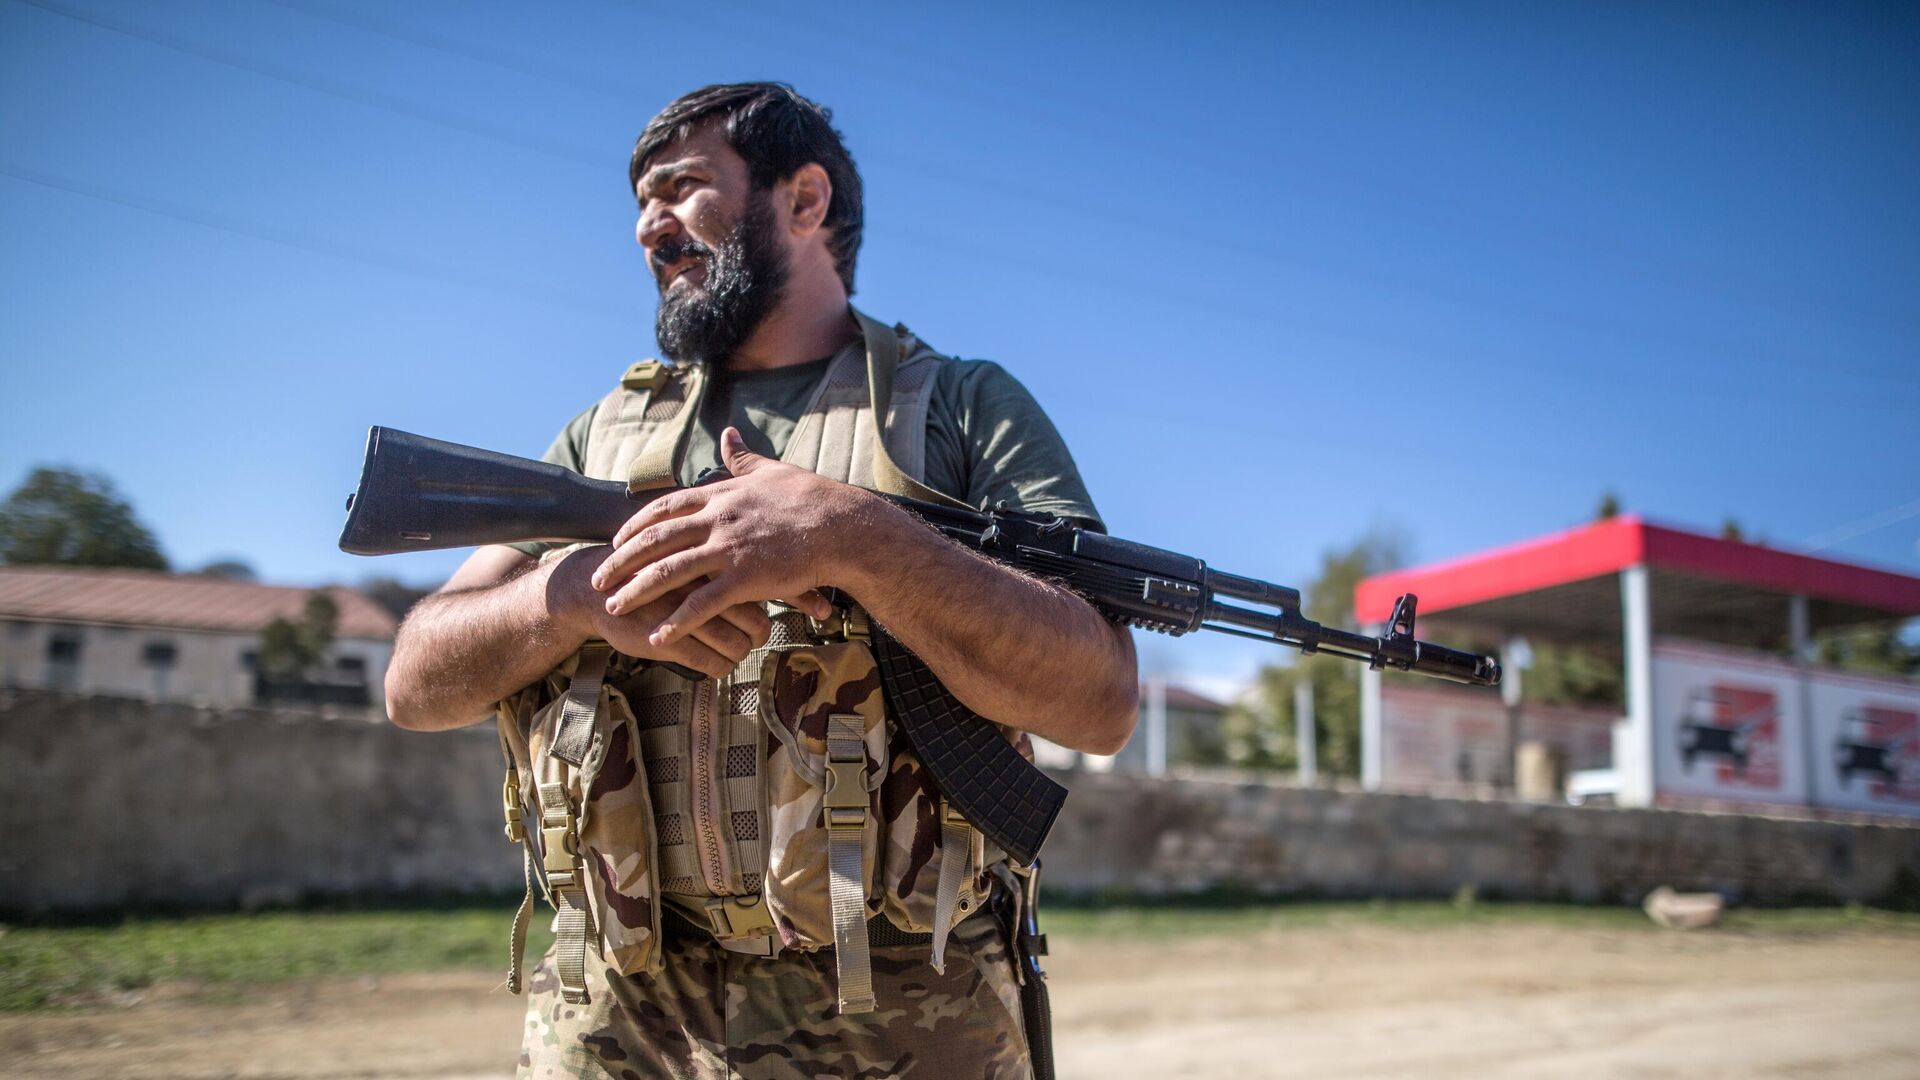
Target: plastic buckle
[(846, 624), (739, 916), (510, 808), (846, 795), (560, 846), (645, 375)]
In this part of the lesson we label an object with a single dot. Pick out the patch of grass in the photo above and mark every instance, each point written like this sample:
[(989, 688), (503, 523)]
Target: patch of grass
[(48, 966), (51, 966)]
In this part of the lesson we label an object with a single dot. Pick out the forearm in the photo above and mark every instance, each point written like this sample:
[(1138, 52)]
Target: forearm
[(459, 652), (1015, 649)]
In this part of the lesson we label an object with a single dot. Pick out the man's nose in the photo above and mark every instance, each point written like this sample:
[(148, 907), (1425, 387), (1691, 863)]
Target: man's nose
[(655, 225)]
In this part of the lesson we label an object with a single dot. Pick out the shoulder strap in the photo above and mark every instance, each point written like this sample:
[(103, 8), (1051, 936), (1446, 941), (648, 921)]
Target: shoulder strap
[(883, 357), (657, 464)]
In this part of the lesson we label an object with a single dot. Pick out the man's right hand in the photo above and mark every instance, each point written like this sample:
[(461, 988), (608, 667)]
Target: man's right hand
[(713, 649), (502, 622)]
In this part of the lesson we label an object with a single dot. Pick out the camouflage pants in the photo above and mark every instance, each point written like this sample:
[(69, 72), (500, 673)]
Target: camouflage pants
[(716, 1015)]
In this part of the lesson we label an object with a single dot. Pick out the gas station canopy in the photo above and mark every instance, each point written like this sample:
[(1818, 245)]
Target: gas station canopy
[(1566, 587)]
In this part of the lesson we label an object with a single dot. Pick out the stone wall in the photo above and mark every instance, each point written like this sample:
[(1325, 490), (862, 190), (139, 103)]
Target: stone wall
[(1131, 835), (120, 804), (117, 803)]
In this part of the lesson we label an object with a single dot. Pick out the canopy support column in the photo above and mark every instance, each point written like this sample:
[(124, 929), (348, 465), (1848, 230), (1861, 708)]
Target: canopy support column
[(1373, 743), (1633, 749), (1303, 732), (1800, 636)]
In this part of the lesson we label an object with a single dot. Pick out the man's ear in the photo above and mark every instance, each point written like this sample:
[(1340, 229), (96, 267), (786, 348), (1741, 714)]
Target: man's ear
[(809, 193)]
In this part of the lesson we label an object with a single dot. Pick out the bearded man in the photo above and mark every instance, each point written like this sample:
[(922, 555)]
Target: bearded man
[(751, 219)]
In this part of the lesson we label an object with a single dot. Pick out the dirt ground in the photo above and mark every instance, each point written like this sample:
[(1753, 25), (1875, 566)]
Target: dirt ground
[(1498, 1001)]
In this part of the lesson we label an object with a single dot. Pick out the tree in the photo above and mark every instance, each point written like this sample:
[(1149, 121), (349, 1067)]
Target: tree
[(396, 596), (291, 648), (71, 518), (229, 568), (1875, 648), (1260, 728), (1567, 675)]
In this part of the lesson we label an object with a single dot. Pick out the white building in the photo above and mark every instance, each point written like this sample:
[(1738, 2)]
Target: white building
[(177, 637)]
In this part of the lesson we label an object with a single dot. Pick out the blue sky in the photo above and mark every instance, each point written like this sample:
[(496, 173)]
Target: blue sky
[(1279, 273)]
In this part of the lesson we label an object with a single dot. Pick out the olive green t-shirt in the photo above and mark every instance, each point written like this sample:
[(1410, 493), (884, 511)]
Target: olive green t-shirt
[(987, 438)]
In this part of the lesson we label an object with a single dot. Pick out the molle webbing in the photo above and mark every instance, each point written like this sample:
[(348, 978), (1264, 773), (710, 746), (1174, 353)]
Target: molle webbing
[(865, 424), (639, 429), (846, 811), (840, 436)]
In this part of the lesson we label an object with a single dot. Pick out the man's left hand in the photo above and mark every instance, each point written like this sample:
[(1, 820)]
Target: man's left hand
[(772, 532)]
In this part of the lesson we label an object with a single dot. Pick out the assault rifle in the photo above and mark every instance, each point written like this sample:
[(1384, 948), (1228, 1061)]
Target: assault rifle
[(419, 494)]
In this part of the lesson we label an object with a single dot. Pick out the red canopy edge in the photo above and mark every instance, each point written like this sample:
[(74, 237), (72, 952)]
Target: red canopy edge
[(1608, 547)]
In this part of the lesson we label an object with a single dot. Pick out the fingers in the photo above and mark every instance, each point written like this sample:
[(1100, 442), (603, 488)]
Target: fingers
[(724, 638), (701, 657), (657, 579), (751, 620), (673, 504), (703, 604), (740, 460), (812, 603), (647, 545)]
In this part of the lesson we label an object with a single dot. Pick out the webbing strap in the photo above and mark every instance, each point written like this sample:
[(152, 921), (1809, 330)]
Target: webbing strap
[(513, 817), (883, 357), (846, 812), (956, 874), (567, 887), (517, 940), (573, 737), (656, 466)]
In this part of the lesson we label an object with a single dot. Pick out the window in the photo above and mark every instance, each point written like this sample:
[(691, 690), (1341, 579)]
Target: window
[(161, 654), (351, 665), (63, 660)]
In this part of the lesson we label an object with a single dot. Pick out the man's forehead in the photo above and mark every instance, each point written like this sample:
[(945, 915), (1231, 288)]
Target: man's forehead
[(703, 148)]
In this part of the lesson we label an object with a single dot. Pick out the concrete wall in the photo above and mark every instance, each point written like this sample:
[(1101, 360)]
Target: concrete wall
[(116, 803), (1171, 836)]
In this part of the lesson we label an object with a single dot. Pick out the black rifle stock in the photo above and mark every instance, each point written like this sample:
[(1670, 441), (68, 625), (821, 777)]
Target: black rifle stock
[(420, 494)]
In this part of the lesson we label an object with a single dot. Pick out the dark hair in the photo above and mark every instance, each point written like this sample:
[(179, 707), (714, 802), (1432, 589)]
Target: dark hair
[(776, 131)]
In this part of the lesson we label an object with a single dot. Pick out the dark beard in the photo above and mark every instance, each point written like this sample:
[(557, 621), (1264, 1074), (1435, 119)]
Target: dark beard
[(746, 278)]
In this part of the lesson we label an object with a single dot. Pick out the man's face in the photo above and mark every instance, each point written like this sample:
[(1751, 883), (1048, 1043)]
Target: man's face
[(713, 246)]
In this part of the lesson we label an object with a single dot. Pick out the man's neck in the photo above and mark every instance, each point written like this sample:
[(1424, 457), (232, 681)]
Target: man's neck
[(809, 323)]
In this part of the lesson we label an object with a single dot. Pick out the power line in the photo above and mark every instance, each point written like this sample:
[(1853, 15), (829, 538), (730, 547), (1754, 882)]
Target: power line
[(1469, 218), (1321, 267), (329, 87), (1422, 352), (1856, 529), (421, 268)]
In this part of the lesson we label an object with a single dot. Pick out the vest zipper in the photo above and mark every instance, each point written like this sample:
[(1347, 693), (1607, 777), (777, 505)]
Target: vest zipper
[(706, 796)]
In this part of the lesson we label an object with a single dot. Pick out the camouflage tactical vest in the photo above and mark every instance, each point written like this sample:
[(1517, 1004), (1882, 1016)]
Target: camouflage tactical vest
[(777, 807)]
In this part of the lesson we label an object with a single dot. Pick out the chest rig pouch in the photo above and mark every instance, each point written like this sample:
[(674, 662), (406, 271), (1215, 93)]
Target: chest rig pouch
[(778, 807)]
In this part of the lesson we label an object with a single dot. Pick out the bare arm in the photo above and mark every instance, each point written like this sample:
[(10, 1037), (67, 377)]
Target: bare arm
[(1014, 649), (503, 621)]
